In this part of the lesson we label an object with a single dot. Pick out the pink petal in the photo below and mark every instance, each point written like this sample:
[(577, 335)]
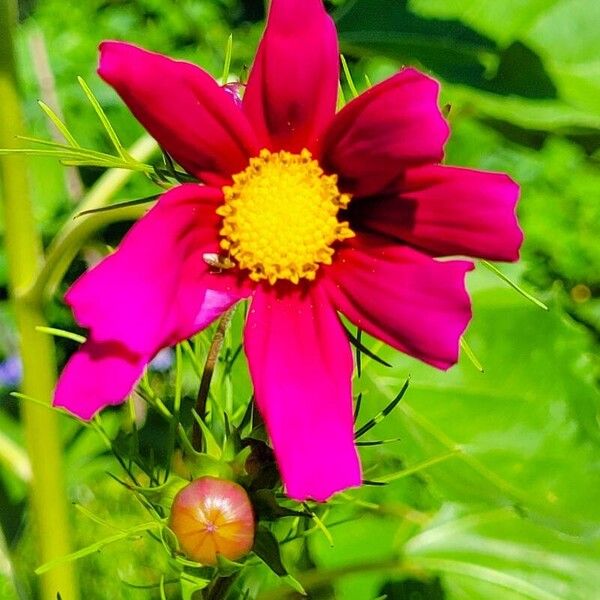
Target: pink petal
[(392, 126), (96, 376), (406, 299), (301, 367), (450, 211), (187, 112), (292, 90), (156, 289)]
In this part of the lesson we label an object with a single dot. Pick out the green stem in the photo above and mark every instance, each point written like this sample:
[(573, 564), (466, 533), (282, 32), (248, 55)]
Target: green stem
[(24, 253), (209, 368), (76, 231), (318, 577)]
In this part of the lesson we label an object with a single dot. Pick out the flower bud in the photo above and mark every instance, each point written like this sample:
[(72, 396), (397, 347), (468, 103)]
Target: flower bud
[(212, 517)]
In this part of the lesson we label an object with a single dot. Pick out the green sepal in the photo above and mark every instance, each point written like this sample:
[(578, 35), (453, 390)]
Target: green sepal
[(160, 494), (238, 464), (232, 445), (189, 587), (205, 465), (227, 567)]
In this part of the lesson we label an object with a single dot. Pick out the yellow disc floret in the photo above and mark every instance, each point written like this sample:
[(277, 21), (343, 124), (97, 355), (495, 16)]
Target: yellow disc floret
[(280, 217)]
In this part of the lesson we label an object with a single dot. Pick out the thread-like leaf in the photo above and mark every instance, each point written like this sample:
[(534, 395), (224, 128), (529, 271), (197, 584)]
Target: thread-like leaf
[(112, 134), (227, 62), (357, 343), (118, 205), (379, 442), (64, 130), (69, 335), (416, 468), (494, 269), (348, 76), (384, 413), (470, 354), (358, 406)]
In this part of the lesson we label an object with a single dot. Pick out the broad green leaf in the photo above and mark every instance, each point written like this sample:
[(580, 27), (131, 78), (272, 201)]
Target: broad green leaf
[(449, 47), (266, 547), (369, 538), (506, 556), (547, 26), (502, 21), (517, 61), (387, 27), (526, 429)]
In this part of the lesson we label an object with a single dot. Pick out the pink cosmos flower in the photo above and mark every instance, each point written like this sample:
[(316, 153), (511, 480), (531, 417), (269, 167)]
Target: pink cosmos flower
[(319, 213)]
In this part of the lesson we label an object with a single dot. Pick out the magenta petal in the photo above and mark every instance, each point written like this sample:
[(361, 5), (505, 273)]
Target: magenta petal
[(156, 289), (450, 211), (392, 126), (406, 299), (292, 90), (183, 107), (301, 366), (96, 376)]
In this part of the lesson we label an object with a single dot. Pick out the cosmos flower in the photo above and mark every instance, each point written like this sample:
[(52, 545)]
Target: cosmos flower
[(314, 213)]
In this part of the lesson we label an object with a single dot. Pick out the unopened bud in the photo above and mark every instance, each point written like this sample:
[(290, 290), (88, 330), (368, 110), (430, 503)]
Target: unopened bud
[(212, 517)]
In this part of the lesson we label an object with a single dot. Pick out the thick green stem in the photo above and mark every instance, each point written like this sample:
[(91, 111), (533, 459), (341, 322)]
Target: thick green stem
[(23, 248)]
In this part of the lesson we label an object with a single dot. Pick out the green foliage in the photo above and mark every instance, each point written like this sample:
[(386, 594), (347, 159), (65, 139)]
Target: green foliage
[(513, 519), (488, 474), (8, 588), (520, 59)]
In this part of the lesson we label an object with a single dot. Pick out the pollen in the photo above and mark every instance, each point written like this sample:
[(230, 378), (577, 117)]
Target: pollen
[(280, 217)]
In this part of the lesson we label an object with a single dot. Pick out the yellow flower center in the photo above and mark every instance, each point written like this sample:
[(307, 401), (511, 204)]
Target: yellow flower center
[(280, 217)]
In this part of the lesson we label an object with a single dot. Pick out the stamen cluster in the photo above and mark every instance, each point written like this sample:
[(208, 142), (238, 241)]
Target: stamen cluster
[(280, 217)]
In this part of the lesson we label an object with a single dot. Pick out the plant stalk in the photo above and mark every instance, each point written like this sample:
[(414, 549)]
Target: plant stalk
[(318, 577), (48, 500), (77, 230), (207, 374)]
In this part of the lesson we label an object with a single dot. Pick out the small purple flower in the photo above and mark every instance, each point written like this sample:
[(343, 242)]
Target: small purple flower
[(235, 90), (11, 371), (163, 361)]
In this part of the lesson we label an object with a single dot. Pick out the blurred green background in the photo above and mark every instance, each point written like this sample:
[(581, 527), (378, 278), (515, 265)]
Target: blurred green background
[(514, 511)]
